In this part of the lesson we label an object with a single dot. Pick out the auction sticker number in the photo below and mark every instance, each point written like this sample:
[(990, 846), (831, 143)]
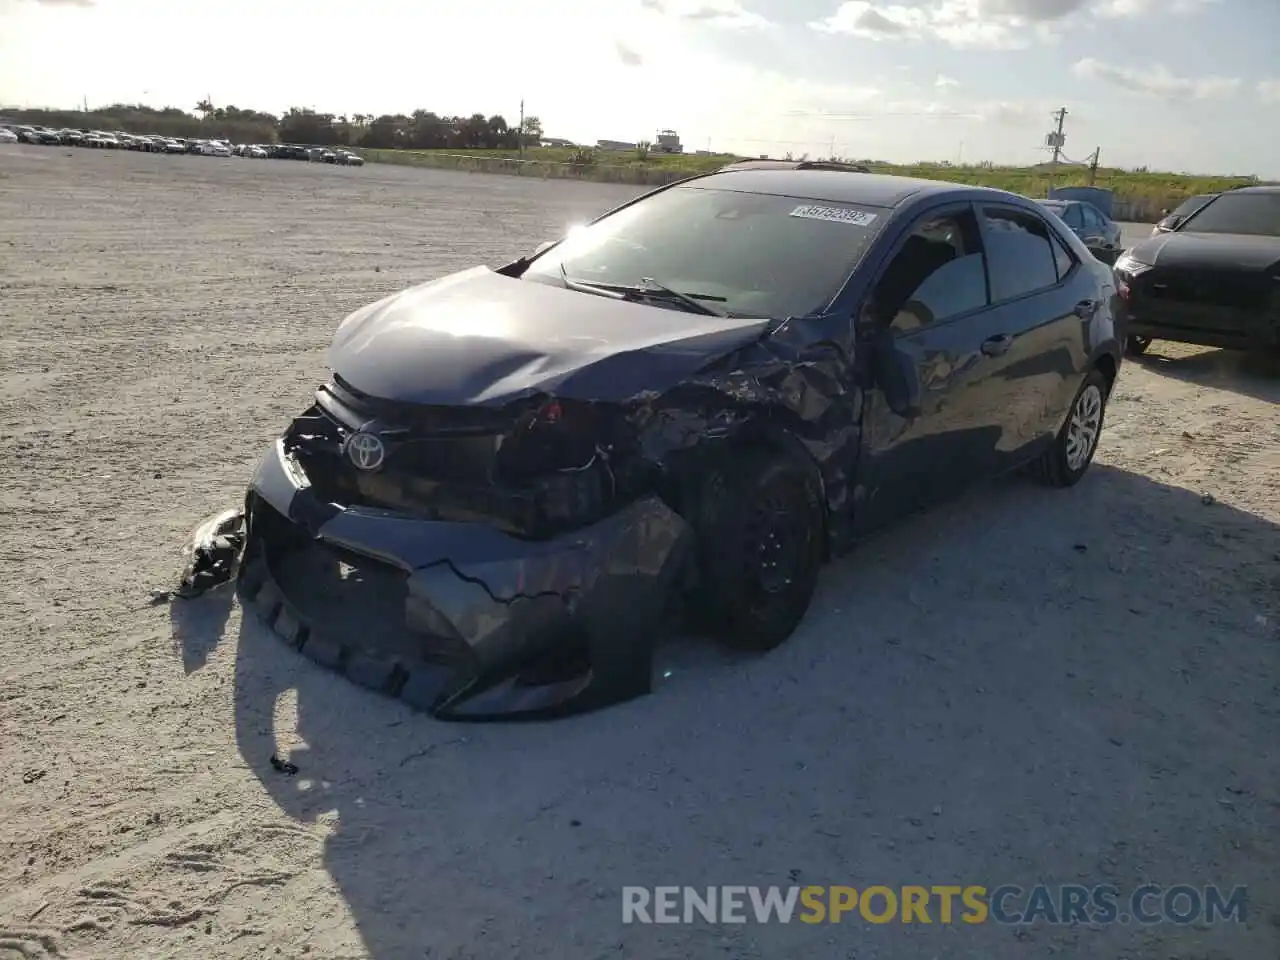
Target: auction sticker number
[(813, 211)]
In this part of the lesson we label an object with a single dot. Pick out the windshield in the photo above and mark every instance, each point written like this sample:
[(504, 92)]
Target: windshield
[(1255, 214), (745, 254), (1057, 207), (1191, 205)]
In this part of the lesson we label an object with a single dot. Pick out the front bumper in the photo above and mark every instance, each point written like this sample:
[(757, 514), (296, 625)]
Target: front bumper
[(1192, 307), (458, 619)]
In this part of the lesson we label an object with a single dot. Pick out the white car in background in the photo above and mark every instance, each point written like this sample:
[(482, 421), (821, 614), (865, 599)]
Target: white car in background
[(215, 148), (7, 135), (255, 152)]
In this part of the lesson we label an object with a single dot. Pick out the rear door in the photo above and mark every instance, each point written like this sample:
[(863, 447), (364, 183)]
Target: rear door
[(1038, 304), (1073, 218), (1097, 234), (933, 296)]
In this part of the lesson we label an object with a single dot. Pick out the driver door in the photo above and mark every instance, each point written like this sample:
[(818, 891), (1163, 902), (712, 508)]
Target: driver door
[(934, 296)]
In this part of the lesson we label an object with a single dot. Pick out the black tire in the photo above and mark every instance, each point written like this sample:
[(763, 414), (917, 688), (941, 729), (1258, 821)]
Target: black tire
[(1137, 346), (1059, 466), (761, 545)]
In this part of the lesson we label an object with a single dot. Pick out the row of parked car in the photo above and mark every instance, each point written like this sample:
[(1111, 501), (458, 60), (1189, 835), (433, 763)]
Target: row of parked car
[(148, 143)]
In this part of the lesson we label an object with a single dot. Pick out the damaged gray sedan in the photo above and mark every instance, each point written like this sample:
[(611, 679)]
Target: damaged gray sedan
[(514, 476)]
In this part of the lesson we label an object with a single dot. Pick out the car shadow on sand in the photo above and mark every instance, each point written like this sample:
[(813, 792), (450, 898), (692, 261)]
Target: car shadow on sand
[(1253, 374), (198, 625), (1022, 686)]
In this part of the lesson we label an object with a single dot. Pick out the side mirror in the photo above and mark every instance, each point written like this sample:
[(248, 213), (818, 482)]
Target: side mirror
[(894, 372), (544, 246), (1170, 222)]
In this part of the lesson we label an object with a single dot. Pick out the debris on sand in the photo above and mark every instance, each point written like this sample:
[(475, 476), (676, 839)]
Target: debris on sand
[(213, 553)]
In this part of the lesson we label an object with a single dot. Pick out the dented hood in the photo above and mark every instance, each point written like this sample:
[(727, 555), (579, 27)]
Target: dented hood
[(478, 337)]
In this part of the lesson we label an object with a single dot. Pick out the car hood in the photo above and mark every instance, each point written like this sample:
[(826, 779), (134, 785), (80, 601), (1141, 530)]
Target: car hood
[(1214, 251), (478, 337)]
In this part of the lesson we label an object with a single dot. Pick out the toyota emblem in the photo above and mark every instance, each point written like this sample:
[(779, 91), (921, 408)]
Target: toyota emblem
[(366, 451)]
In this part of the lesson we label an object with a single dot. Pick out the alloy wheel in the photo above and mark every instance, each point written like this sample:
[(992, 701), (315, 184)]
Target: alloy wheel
[(1084, 426)]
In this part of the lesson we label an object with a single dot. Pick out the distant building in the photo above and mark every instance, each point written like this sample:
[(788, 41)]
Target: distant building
[(615, 145), (668, 141)]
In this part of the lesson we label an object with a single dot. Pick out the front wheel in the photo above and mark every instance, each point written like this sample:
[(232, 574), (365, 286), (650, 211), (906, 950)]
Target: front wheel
[(1066, 461), (761, 549), (1137, 346)]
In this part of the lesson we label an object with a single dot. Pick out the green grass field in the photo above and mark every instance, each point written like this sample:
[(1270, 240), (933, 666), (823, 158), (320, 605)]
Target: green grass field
[(1139, 195)]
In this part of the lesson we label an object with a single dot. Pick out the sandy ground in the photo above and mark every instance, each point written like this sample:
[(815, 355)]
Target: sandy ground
[(1025, 686)]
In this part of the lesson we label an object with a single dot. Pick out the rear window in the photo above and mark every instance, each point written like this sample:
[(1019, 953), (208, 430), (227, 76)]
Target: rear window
[(750, 254)]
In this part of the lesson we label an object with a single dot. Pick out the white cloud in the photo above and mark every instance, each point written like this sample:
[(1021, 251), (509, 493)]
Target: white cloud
[(1157, 81), (628, 56), (717, 13), (989, 24), (943, 82), (1269, 90), (1117, 9), (861, 19)]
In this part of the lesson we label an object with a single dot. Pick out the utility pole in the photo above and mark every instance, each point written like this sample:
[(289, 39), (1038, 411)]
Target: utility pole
[(1093, 166), (522, 129), (1056, 140)]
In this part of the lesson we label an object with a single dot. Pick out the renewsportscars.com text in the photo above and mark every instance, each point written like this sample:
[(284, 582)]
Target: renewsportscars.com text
[(945, 904)]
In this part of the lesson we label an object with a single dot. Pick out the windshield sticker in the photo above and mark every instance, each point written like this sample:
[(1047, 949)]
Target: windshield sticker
[(812, 211)]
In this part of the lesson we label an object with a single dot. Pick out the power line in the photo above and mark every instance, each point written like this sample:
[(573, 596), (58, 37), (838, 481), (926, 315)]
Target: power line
[(918, 114)]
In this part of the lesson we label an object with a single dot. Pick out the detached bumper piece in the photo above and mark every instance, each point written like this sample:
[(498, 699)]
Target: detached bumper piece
[(457, 619)]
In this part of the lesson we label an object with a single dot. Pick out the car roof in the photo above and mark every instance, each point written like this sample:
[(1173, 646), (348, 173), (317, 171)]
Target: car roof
[(833, 185), (1267, 188)]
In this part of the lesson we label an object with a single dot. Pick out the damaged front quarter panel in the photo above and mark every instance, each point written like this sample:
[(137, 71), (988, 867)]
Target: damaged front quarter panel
[(492, 616), (791, 390)]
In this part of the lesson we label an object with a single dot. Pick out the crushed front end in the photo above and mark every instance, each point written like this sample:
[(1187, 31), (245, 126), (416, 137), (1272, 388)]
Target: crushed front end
[(476, 562)]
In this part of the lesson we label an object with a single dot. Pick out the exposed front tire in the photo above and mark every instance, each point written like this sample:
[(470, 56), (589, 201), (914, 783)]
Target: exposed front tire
[(761, 547), (1137, 346), (1066, 461)]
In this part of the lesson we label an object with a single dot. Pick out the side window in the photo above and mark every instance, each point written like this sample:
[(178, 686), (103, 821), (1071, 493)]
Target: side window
[(1063, 257), (939, 273), (1020, 254), (1073, 218)]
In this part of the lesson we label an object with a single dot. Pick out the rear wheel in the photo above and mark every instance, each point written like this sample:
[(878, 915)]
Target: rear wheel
[(1137, 346), (761, 549), (1066, 461)]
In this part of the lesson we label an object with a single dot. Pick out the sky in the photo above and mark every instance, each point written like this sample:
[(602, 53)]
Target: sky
[(1181, 85)]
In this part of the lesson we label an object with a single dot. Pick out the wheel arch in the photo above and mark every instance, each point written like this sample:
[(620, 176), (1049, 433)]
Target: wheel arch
[(714, 457), (1108, 364)]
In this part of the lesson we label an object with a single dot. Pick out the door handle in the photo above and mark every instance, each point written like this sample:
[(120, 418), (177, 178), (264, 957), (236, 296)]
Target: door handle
[(997, 346), (1085, 309)]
